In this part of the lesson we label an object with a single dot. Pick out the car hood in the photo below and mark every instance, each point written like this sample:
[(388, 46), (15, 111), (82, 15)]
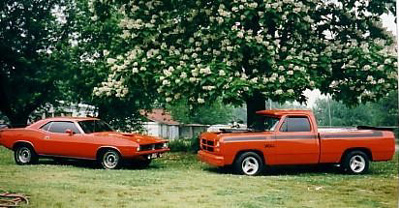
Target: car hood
[(138, 138)]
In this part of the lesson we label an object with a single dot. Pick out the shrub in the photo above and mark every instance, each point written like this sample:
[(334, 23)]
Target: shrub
[(184, 145)]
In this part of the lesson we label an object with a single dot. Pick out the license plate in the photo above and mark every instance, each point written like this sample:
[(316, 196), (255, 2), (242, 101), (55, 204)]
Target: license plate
[(155, 155)]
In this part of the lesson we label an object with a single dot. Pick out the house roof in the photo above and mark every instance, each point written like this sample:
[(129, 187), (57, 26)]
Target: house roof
[(159, 115)]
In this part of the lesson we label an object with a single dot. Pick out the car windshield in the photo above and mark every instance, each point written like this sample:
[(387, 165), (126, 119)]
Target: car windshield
[(91, 126), (264, 123)]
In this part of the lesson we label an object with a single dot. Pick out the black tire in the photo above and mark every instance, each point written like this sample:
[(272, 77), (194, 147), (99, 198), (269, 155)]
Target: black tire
[(249, 163), (110, 159), (25, 155), (355, 162)]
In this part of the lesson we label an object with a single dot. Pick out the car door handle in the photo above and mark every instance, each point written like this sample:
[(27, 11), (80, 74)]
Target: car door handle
[(269, 145), (46, 137)]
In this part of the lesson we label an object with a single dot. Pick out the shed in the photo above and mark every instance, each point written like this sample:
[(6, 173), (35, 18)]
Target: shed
[(160, 123)]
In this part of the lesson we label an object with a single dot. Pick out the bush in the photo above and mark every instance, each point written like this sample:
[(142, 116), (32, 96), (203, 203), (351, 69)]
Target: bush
[(184, 145)]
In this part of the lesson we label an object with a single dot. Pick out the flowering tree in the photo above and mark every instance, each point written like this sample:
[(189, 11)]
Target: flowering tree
[(244, 51)]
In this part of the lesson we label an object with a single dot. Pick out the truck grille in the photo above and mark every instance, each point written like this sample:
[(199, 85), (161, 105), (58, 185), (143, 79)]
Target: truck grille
[(149, 147), (207, 145)]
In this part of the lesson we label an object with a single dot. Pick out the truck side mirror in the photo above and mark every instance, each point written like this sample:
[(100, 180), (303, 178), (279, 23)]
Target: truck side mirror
[(69, 132)]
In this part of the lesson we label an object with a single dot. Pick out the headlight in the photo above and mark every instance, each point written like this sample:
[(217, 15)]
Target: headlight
[(138, 148), (165, 145), (217, 144)]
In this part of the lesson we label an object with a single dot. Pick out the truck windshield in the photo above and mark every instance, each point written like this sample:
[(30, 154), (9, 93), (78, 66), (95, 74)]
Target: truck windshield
[(265, 123), (91, 126)]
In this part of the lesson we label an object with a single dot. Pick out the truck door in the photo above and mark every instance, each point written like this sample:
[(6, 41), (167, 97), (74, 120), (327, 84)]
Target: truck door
[(296, 141)]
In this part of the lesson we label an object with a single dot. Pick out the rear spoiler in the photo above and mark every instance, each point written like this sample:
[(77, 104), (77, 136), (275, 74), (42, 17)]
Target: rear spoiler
[(384, 128)]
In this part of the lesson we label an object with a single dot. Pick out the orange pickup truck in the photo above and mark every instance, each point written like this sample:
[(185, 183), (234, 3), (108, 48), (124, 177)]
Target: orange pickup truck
[(291, 137)]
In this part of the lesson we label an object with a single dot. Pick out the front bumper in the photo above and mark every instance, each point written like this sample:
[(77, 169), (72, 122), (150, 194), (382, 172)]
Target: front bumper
[(153, 151), (128, 154), (211, 159)]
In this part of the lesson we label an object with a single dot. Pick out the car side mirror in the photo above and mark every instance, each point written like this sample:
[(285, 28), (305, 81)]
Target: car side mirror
[(69, 132)]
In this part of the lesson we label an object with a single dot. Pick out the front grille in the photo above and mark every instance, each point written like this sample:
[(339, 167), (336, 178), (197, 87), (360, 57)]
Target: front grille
[(207, 145), (149, 147)]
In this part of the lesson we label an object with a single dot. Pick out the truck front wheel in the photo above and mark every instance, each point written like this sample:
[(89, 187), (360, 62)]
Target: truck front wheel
[(249, 163), (355, 162)]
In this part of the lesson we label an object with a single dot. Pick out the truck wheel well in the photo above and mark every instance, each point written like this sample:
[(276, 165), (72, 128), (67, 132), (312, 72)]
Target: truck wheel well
[(258, 152), (102, 150), (362, 149), (19, 144)]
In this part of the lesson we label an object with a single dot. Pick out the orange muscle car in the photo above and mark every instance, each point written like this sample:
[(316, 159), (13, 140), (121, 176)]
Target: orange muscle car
[(291, 137), (80, 138)]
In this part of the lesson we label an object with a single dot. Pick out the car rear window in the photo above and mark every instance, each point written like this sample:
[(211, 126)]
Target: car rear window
[(46, 127)]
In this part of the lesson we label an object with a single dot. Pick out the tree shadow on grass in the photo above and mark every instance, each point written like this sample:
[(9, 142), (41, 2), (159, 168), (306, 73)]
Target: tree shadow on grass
[(88, 164), (284, 170)]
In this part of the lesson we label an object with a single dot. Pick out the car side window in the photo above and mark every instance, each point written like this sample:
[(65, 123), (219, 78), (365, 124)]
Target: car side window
[(46, 126), (62, 126), (296, 124)]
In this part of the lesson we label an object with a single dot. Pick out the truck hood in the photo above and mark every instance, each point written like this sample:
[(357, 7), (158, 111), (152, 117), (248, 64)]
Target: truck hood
[(245, 134), (138, 138)]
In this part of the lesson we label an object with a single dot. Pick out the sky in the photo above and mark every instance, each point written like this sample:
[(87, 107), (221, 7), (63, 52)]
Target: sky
[(388, 21)]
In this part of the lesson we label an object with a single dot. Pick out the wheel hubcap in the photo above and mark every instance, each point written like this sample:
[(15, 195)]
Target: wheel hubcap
[(357, 163), (110, 160), (24, 155), (250, 165)]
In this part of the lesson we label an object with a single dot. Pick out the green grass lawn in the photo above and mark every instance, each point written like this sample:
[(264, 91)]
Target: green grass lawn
[(179, 180)]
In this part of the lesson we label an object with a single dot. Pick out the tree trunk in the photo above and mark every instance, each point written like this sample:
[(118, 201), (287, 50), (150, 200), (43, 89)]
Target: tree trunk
[(254, 103)]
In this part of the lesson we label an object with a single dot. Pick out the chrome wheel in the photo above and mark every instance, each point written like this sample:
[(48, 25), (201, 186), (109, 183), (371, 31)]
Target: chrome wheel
[(110, 160), (357, 164), (24, 155), (250, 165)]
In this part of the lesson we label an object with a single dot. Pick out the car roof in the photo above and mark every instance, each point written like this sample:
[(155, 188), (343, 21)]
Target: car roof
[(282, 112), (40, 123), (71, 119)]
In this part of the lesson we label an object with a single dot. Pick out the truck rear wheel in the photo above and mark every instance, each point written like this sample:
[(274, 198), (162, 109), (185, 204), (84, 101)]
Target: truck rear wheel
[(249, 163), (25, 155), (355, 162)]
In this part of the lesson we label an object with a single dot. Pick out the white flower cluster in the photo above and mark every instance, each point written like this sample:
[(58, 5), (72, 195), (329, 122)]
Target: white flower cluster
[(112, 87), (228, 54)]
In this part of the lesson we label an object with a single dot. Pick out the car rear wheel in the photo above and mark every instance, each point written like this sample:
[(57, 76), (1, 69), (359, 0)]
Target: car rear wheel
[(355, 162), (25, 155), (110, 159), (249, 163)]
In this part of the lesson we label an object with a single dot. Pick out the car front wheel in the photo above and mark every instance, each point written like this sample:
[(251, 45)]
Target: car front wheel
[(110, 159)]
